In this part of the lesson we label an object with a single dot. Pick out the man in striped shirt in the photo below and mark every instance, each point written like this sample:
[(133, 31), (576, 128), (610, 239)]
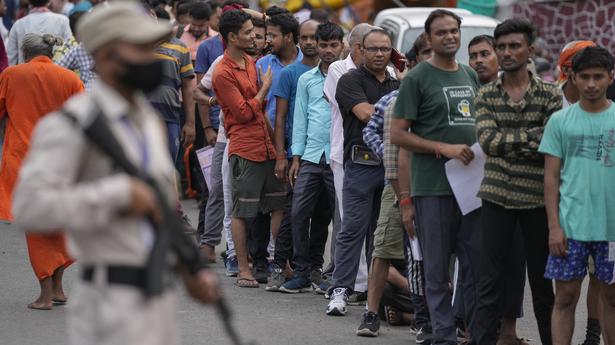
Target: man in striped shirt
[(173, 98), (510, 117)]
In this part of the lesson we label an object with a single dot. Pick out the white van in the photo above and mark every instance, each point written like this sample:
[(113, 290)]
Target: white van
[(406, 24)]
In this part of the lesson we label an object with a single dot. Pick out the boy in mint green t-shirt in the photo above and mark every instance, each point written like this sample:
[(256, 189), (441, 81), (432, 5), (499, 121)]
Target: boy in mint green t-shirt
[(579, 148)]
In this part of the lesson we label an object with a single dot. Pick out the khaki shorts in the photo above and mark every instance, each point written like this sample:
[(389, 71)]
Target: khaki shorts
[(255, 187), (389, 234)]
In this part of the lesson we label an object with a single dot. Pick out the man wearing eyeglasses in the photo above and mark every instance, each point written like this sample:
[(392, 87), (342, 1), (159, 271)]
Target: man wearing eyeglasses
[(357, 92)]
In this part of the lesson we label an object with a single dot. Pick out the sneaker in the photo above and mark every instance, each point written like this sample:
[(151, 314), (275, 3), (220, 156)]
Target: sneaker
[(316, 278), (276, 280), (297, 285), (322, 288), (357, 298), (337, 304), (260, 273), (232, 267), (370, 325), (423, 337)]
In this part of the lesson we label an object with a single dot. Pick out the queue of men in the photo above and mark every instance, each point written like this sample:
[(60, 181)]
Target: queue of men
[(399, 144), (304, 138)]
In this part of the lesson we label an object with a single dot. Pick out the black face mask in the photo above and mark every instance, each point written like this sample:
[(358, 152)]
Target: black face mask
[(145, 77)]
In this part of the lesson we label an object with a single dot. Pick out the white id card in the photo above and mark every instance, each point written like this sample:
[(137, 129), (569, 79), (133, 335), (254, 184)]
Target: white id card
[(611, 251)]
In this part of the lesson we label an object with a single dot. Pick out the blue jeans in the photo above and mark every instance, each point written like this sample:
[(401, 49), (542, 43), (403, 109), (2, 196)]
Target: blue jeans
[(362, 191), (174, 136)]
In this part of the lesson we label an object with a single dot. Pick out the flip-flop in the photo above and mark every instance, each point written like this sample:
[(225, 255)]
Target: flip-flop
[(399, 317), (59, 301), (246, 283)]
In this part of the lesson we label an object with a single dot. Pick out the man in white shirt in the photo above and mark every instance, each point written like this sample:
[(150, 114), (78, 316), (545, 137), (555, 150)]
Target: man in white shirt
[(40, 20), (336, 70)]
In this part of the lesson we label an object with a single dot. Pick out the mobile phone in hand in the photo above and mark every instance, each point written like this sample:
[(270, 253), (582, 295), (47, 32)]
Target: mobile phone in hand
[(398, 60)]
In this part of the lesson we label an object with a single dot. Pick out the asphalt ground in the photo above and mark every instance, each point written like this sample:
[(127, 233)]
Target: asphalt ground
[(264, 317)]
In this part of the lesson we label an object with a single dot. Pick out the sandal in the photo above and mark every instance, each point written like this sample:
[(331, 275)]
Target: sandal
[(58, 301), (246, 283), (395, 317)]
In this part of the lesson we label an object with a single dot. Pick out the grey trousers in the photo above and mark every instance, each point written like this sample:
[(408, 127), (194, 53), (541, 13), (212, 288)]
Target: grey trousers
[(442, 231), (361, 204), (211, 233), (103, 314)]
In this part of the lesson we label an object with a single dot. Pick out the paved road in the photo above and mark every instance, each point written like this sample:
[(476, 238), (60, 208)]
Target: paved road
[(268, 318)]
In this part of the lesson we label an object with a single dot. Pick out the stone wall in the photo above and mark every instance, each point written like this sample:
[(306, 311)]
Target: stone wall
[(560, 22)]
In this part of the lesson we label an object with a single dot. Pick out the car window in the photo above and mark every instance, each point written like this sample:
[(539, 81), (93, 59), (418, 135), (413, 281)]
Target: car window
[(467, 33), (392, 28)]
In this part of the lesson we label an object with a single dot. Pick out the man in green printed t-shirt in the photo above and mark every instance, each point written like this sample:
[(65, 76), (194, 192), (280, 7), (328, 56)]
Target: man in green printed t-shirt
[(436, 101), (579, 144)]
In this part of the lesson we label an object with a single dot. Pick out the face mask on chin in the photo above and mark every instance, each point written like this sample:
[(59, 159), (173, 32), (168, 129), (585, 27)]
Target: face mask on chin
[(144, 77)]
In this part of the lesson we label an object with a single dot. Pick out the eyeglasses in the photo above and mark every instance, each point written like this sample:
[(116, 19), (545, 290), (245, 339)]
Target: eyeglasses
[(376, 49)]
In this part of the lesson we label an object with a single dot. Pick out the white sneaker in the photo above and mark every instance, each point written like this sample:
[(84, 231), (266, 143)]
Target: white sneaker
[(337, 304)]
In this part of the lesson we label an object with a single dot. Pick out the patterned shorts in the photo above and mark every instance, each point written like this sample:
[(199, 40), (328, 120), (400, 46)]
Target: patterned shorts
[(574, 265)]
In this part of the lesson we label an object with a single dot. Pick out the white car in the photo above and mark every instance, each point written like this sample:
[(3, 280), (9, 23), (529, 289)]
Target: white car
[(406, 24)]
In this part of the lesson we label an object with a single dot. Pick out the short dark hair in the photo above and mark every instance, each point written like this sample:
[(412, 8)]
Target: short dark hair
[(200, 11), (329, 31), (410, 55), (438, 14), (376, 31), (259, 23), (419, 43), (482, 38), (320, 15), (592, 57), (232, 21), (184, 8), (287, 24), (214, 5), (275, 10), (161, 13), (73, 19), (516, 26), (38, 3)]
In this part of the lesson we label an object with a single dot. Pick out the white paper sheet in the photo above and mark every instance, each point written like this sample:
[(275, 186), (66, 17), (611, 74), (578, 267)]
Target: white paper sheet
[(465, 180), (205, 156)]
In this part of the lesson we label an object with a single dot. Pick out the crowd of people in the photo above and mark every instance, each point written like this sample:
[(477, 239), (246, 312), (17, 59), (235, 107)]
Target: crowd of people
[(313, 127)]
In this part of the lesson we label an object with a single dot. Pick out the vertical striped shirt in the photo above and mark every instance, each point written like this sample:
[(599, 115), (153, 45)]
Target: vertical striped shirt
[(509, 134)]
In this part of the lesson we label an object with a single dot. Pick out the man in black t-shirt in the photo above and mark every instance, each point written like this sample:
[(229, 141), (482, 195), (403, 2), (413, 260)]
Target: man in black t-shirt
[(356, 94)]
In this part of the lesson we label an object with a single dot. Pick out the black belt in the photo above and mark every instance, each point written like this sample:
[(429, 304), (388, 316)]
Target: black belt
[(122, 275)]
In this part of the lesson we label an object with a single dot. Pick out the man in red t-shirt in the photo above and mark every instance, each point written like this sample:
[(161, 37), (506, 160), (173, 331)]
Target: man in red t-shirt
[(251, 151)]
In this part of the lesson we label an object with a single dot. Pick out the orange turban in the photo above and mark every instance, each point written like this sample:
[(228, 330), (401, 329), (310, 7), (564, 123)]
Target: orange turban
[(569, 51)]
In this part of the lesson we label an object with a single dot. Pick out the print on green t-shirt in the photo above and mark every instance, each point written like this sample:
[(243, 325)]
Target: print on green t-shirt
[(585, 142), (440, 105), (458, 99)]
